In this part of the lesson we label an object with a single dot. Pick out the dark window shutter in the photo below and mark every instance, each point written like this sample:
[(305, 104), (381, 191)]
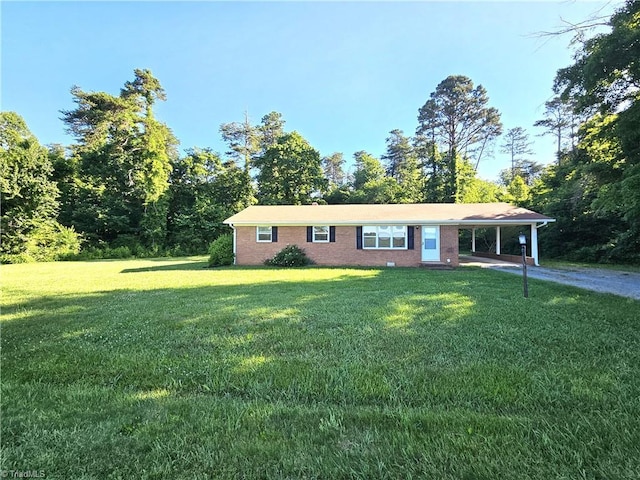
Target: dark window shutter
[(332, 234), (410, 237), (309, 234), (274, 234), (359, 238)]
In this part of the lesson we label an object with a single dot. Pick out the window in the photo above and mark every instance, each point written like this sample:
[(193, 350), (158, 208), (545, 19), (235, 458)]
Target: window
[(399, 237), (321, 234), (384, 236), (264, 234)]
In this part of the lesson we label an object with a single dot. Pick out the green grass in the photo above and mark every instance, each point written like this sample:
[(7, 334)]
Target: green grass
[(566, 264), (165, 369)]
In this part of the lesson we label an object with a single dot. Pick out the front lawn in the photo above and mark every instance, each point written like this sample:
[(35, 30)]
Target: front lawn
[(165, 369)]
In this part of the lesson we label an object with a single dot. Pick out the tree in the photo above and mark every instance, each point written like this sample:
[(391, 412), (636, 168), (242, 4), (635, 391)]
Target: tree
[(606, 74), (370, 184), (604, 84), (410, 181), (30, 205), (204, 191), (528, 170), (368, 169), (243, 140), (124, 158), (517, 191), (457, 117), (480, 191), (560, 121), (247, 142), (434, 168), (289, 172), (271, 128), (517, 145), (398, 152), (332, 167)]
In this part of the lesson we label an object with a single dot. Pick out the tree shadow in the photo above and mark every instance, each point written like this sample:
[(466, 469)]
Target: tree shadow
[(171, 267)]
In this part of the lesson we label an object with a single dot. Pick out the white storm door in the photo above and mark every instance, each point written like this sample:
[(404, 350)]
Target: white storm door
[(430, 243)]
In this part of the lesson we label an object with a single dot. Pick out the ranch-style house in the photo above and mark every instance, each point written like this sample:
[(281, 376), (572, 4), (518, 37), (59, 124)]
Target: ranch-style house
[(375, 235)]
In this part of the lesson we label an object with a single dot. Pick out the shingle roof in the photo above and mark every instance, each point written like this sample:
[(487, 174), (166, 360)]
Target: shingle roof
[(402, 214)]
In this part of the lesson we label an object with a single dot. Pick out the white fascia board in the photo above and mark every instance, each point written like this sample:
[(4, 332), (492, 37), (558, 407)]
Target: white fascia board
[(353, 223)]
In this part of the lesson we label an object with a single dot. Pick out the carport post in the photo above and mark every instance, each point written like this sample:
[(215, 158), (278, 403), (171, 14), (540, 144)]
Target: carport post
[(523, 245), (534, 244), (473, 240)]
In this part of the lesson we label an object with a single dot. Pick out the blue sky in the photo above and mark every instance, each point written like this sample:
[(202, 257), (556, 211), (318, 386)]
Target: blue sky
[(343, 74)]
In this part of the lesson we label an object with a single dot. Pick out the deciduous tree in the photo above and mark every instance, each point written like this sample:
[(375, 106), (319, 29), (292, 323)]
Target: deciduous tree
[(289, 172), (29, 230)]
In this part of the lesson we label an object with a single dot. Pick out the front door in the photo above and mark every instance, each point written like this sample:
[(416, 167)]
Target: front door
[(430, 243)]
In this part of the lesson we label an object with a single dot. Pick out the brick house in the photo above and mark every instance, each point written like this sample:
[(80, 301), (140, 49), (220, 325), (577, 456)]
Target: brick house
[(373, 235)]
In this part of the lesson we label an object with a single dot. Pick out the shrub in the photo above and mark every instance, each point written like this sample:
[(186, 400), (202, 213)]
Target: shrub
[(47, 242), (221, 251), (289, 256)]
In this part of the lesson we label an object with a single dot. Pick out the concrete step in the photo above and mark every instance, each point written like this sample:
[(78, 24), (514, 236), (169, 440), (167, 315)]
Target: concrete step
[(436, 266)]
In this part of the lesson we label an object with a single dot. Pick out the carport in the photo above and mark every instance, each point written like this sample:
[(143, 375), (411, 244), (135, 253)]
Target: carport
[(529, 228)]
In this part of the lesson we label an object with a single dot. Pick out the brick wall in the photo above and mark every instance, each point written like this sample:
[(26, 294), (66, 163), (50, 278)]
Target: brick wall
[(341, 252)]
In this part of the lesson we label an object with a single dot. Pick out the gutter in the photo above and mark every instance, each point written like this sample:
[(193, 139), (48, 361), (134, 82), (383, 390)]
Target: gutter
[(394, 222), (546, 222)]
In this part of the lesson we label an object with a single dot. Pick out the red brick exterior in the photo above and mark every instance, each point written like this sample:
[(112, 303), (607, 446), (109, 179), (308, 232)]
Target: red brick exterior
[(341, 252)]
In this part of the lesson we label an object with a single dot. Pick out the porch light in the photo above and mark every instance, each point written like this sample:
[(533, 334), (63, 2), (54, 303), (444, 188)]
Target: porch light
[(522, 239)]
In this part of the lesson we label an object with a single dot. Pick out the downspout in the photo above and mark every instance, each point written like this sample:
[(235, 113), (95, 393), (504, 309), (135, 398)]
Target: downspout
[(235, 257), (534, 242)]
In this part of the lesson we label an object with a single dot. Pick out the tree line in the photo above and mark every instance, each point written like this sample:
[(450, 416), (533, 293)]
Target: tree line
[(123, 187)]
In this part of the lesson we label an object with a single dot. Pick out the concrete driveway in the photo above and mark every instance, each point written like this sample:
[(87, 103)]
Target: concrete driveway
[(625, 284)]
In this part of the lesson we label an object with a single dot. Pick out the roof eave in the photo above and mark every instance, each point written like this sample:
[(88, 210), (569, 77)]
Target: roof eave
[(525, 221)]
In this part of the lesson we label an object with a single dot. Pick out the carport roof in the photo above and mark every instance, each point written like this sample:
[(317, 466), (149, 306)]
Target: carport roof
[(396, 214)]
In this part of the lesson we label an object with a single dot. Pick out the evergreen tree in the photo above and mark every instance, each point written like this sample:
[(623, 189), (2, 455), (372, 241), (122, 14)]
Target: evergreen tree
[(333, 167), (457, 117), (434, 169), (398, 153), (517, 145), (123, 155), (243, 140)]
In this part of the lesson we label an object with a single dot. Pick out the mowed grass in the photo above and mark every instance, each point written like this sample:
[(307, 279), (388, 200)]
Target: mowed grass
[(165, 369)]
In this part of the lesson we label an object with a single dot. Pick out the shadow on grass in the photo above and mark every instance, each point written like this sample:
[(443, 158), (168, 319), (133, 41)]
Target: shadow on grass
[(170, 267), (342, 372)]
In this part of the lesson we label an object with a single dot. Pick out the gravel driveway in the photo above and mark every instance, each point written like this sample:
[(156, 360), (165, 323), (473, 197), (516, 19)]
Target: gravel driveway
[(625, 284)]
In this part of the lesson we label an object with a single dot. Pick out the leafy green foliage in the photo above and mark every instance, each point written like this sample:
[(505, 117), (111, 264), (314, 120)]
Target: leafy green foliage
[(289, 172), (221, 251), (29, 231), (289, 256), (203, 193), (123, 161), (594, 191)]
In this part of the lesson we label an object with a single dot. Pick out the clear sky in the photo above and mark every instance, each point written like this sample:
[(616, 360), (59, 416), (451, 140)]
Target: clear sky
[(343, 74)]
